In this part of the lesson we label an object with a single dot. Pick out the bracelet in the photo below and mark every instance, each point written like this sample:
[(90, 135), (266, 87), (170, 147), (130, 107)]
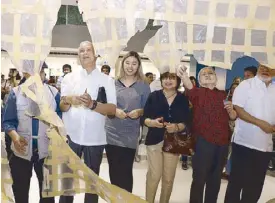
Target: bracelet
[(94, 105)]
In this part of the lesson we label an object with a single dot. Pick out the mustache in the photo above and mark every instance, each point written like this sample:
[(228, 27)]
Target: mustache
[(265, 79)]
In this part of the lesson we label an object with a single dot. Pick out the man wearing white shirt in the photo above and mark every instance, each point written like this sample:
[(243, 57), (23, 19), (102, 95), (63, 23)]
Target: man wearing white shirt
[(66, 69), (83, 116), (254, 101)]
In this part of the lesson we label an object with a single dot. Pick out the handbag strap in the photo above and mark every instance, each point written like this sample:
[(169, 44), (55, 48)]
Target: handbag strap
[(178, 129)]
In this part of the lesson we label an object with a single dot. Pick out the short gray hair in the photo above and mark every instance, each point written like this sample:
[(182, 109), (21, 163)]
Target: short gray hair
[(207, 67)]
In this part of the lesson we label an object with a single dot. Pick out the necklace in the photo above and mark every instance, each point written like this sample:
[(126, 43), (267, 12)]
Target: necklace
[(168, 97)]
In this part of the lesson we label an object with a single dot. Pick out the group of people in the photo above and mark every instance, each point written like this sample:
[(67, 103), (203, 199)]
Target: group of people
[(100, 112)]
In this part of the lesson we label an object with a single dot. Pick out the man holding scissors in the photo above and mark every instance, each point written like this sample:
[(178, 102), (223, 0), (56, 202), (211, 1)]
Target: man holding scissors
[(253, 101)]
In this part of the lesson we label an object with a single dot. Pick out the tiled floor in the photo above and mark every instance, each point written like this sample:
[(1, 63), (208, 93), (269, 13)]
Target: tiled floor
[(181, 187)]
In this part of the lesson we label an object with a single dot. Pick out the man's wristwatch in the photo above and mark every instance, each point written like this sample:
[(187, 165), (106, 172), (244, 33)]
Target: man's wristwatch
[(94, 105)]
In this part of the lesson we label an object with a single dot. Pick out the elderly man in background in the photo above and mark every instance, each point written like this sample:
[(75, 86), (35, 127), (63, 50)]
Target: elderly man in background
[(254, 101), (211, 114), (84, 116)]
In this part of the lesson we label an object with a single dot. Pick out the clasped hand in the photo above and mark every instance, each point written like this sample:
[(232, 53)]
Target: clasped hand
[(158, 123), (84, 100), (20, 144), (122, 115)]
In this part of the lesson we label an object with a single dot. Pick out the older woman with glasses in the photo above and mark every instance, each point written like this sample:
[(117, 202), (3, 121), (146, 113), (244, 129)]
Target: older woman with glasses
[(166, 109)]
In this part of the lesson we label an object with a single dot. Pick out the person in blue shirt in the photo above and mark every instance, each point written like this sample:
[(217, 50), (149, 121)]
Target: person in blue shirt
[(26, 139)]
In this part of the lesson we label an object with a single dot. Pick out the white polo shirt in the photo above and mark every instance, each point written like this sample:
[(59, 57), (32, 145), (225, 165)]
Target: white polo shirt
[(59, 81), (84, 126), (259, 101)]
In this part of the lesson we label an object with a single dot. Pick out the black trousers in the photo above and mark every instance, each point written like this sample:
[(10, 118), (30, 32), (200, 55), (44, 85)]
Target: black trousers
[(21, 172), (121, 160), (247, 175), (208, 163), (92, 158)]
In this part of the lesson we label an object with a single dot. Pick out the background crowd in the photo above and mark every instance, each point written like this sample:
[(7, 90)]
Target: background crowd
[(100, 112)]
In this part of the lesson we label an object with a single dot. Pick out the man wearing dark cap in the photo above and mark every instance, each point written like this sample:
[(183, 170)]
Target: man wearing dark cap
[(26, 140)]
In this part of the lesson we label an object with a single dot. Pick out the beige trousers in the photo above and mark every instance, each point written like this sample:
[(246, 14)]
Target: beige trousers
[(161, 165)]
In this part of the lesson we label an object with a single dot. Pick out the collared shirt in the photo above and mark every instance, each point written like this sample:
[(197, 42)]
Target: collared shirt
[(59, 81), (210, 119), (259, 101), (84, 126)]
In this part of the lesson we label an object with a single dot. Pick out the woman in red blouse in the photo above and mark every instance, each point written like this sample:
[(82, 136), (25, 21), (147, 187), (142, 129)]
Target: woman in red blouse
[(210, 126)]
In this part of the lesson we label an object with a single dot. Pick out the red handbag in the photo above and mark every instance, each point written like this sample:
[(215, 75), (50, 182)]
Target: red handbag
[(179, 143)]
